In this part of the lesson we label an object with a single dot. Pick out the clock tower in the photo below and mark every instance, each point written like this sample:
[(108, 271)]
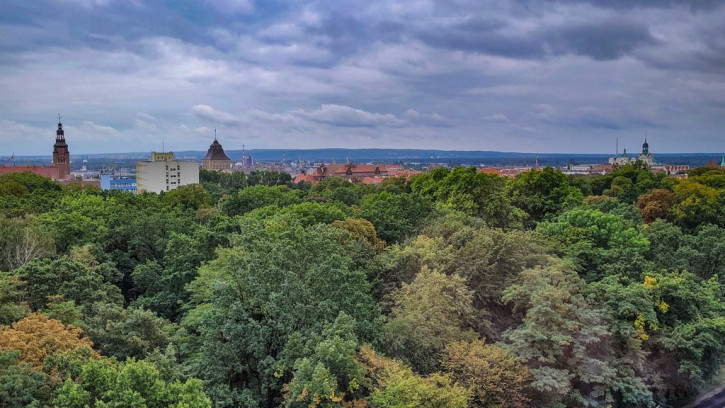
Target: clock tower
[(61, 155)]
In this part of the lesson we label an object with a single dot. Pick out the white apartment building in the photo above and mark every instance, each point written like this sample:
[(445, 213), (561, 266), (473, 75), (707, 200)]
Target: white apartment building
[(163, 173)]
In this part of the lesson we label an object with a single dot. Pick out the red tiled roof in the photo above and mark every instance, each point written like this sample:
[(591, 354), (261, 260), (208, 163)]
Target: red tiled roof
[(489, 170), (45, 171), (371, 180), (305, 177)]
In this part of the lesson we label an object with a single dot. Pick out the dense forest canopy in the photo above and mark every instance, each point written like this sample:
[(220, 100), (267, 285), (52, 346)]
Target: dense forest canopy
[(452, 289)]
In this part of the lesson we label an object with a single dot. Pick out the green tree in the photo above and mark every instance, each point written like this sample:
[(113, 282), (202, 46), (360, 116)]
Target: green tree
[(265, 297), (602, 244), (392, 384), (687, 349), (30, 181), (394, 216), (431, 312), (473, 193), (697, 204), (162, 287), (494, 375), (331, 375), (22, 240), (130, 332), (258, 196), (20, 385), (70, 279), (69, 229), (192, 197), (562, 338), (309, 213), (104, 383), (543, 194), (269, 178), (13, 307)]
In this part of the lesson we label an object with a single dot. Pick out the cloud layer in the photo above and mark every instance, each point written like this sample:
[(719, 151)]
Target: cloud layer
[(526, 75)]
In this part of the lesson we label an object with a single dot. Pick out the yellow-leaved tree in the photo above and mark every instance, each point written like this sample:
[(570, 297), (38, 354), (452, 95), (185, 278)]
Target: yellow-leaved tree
[(38, 337)]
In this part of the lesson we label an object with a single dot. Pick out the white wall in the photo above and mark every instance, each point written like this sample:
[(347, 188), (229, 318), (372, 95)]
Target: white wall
[(161, 176)]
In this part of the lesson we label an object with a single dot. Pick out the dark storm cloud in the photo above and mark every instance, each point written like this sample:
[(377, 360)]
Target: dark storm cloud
[(514, 46), (381, 73), (87, 23), (600, 40)]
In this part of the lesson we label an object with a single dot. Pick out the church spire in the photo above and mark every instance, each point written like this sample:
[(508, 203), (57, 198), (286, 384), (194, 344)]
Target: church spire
[(59, 134), (645, 145), (61, 155)]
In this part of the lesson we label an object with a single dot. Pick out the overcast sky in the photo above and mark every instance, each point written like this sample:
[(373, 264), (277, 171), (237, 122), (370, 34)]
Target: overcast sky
[(528, 75)]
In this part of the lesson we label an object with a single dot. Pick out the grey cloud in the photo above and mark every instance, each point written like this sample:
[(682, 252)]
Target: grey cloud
[(431, 119), (304, 74), (601, 40), (497, 117), (692, 5), (481, 39), (702, 48), (208, 113), (346, 116)]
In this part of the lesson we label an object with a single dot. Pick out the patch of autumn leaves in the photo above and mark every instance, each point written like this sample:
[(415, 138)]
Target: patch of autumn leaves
[(38, 337)]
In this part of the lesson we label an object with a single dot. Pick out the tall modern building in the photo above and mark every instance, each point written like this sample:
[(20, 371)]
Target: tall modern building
[(164, 173), (215, 158)]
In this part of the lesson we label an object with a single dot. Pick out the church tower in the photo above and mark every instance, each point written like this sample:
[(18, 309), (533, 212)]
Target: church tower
[(61, 155), (215, 158)]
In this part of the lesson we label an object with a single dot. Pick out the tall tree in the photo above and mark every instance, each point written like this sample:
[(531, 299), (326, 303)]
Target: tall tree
[(562, 338), (269, 294), (429, 313), (543, 194), (494, 375)]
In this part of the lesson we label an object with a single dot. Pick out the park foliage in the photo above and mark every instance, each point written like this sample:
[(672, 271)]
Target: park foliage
[(452, 289)]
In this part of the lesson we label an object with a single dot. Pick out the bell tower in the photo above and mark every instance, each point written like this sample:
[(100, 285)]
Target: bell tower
[(61, 155)]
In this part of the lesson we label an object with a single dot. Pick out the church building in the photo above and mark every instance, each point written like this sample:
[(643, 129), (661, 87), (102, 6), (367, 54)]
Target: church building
[(61, 155), (215, 158), (644, 157), (60, 170)]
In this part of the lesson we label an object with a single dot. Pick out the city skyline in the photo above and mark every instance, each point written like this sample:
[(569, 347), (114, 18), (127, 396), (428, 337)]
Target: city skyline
[(517, 76)]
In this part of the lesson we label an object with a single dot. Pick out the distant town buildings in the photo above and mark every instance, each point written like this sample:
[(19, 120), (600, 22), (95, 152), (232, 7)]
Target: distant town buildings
[(60, 170), (111, 182), (644, 157), (215, 158), (356, 173), (163, 173), (504, 171)]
